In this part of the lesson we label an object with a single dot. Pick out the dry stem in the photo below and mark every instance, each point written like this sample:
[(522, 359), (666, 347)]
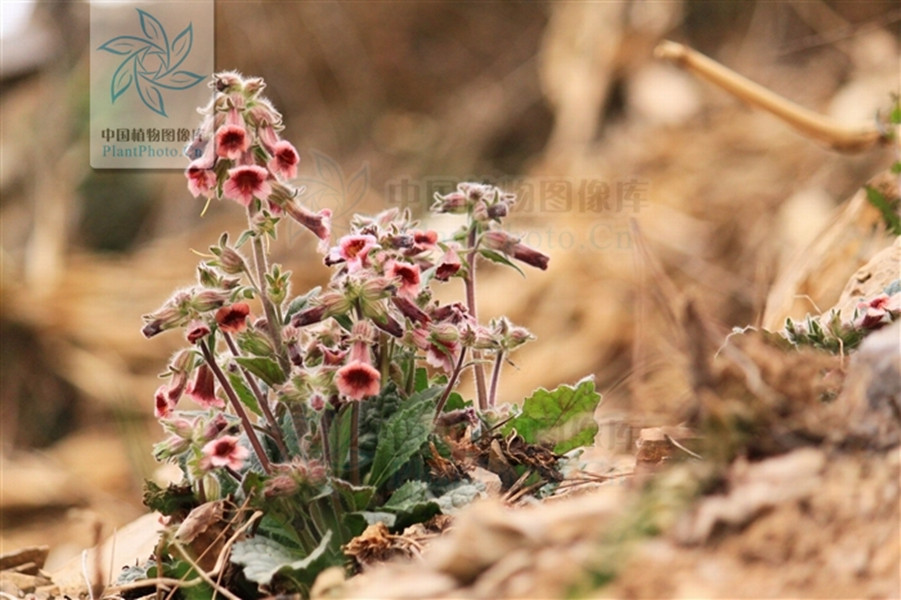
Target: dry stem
[(836, 135)]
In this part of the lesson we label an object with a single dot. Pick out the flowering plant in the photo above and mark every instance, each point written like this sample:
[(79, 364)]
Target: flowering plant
[(320, 414)]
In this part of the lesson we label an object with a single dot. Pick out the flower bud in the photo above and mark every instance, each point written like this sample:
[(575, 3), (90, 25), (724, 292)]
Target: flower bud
[(171, 446), (231, 261), (453, 203), (319, 223), (174, 313), (279, 486), (504, 242), (208, 299), (256, 343), (409, 309)]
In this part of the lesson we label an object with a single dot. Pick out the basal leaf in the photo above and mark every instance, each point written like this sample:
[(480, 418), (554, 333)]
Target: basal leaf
[(264, 368), (355, 497), (358, 521), (401, 437), (410, 493), (459, 495), (412, 503), (263, 559), (563, 417)]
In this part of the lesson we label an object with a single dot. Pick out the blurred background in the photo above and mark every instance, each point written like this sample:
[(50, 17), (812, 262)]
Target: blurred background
[(562, 102)]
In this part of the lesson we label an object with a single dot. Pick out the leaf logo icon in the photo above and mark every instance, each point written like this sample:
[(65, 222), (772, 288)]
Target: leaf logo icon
[(151, 63)]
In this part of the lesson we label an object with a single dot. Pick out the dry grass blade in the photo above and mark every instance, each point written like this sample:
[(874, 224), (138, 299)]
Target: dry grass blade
[(813, 125)]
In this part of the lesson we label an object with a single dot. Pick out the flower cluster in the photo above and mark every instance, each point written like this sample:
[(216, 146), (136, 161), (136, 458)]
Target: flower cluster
[(240, 155), (832, 332)]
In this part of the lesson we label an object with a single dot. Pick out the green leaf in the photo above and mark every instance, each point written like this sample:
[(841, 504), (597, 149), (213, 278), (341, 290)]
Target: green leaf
[(410, 493), (456, 402), (245, 235), (339, 438), (263, 559), (459, 496), (412, 503), (174, 499), (421, 379), (264, 368), (179, 569), (497, 257), (563, 417), (358, 521), (355, 497), (246, 397), (888, 209), (402, 436)]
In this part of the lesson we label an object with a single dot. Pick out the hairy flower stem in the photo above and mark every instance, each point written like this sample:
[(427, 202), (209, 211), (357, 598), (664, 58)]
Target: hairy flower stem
[(470, 284), (275, 431), (273, 322), (450, 384), (324, 426), (355, 443), (236, 405), (495, 377), (386, 347)]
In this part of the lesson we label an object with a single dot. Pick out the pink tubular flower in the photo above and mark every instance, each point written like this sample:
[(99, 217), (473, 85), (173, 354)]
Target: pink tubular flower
[(196, 330), (232, 139), (284, 160), (409, 309), (203, 389), (424, 240), (201, 179), (163, 404), (358, 378), (877, 311), (408, 275), (225, 452), (246, 182), (233, 318), (351, 249), (449, 265), (319, 223)]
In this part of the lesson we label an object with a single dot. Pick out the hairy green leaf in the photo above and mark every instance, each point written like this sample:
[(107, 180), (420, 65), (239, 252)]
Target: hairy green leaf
[(355, 497), (263, 559), (401, 437), (563, 417), (264, 368), (888, 209)]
